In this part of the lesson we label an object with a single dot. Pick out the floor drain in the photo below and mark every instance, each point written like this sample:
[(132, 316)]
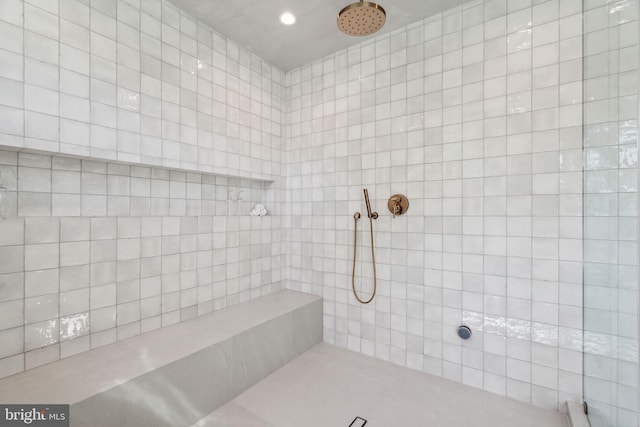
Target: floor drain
[(358, 422)]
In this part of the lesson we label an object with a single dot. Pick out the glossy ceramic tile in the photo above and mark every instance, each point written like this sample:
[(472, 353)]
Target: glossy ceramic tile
[(63, 52), (475, 115), (610, 189), (101, 268), (86, 80), (331, 386)]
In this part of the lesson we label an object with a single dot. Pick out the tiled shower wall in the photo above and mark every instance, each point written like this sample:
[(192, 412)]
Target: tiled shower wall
[(611, 210), (94, 251), (167, 246), (136, 81), (475, 115)]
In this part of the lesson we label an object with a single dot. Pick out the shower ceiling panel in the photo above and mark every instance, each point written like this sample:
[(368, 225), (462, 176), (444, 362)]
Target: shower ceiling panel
[(255, 24)]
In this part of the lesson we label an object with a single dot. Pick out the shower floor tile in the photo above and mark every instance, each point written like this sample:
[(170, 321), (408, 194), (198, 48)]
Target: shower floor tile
[(330, 386)]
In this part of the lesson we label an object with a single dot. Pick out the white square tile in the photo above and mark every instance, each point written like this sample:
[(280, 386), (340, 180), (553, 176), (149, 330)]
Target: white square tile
[(74, 253), (42, 126), (41, 256), (41, 334), (41, 282), (12, 11), (41, 308), (41, 21), (11, 121), (74, 302), (12, 231), (42, 230), (12, 341), (41, 48), (13, 36), (11, 314)]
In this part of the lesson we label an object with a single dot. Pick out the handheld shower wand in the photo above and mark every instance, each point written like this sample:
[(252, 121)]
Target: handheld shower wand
[(373, 215), (356, 217)]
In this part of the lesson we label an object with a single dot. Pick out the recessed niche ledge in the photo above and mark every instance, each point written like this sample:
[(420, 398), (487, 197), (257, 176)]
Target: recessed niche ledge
[(197, 168)]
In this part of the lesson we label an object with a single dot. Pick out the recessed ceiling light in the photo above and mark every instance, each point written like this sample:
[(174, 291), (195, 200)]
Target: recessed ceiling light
[(287, 18)]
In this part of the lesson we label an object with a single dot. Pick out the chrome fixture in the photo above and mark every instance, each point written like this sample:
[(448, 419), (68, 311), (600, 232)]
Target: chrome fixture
[(398, 204), (361, 18), (356, 217)]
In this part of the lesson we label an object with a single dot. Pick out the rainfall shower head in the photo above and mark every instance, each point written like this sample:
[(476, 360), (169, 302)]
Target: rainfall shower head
[(361, 18)]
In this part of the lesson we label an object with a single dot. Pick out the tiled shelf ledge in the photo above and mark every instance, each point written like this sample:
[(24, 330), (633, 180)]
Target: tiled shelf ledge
[(233, 174), (177, 375), (37, 184)]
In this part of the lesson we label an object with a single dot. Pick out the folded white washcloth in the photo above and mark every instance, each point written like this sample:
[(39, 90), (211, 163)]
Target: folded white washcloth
[(258, 210)]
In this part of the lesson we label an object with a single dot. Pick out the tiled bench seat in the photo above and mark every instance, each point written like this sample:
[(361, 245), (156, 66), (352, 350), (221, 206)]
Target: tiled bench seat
[(176, 375)]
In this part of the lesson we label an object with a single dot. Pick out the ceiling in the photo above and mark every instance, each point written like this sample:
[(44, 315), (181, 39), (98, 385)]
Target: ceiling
[(255, 24)]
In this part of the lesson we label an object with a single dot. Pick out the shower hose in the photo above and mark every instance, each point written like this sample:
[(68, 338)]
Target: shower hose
[(356, 217)]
